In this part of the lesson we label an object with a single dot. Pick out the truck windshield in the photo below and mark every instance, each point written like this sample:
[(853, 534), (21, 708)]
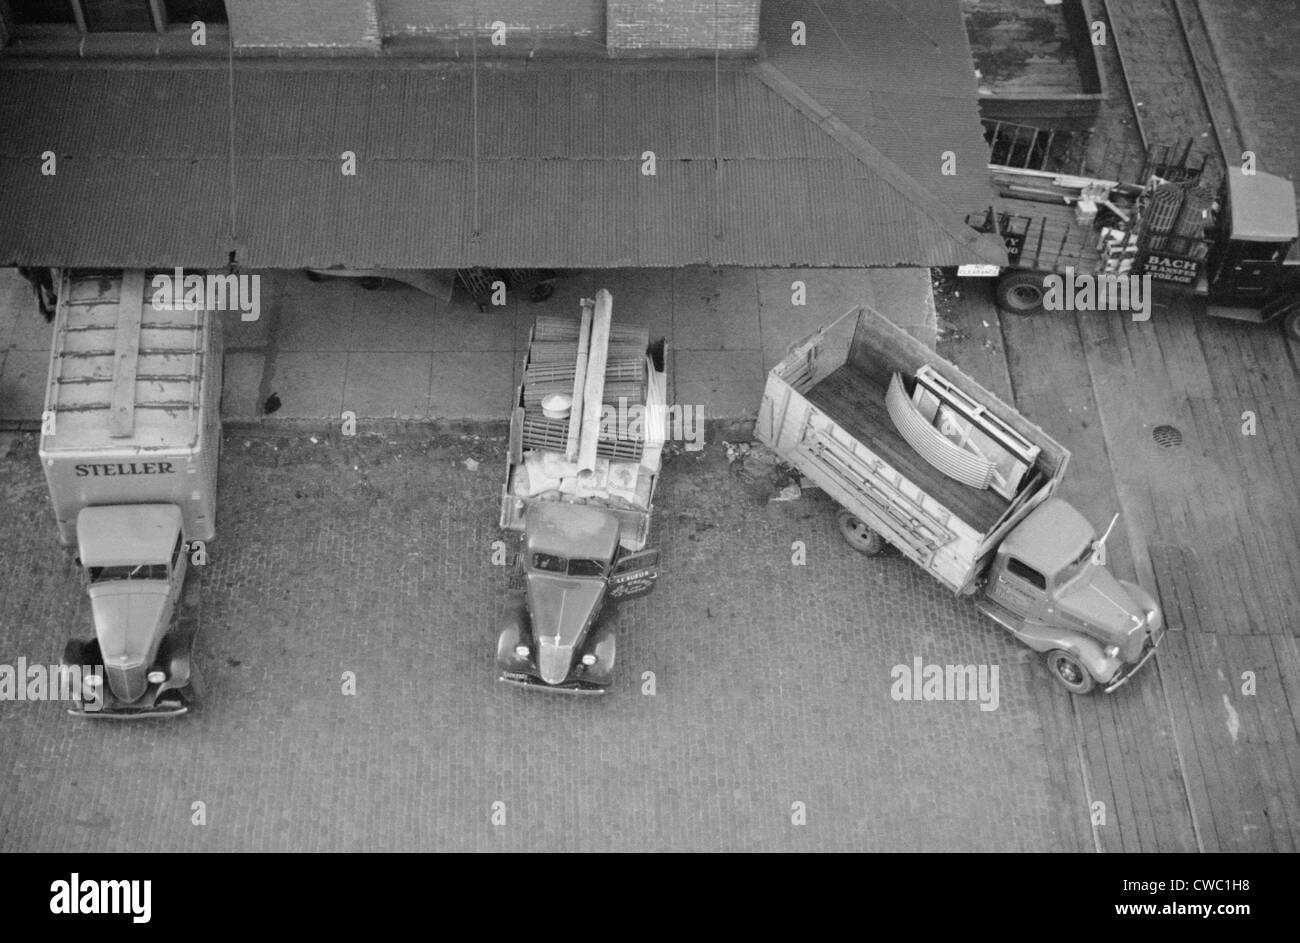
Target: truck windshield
[(576, 567), (140, 571)]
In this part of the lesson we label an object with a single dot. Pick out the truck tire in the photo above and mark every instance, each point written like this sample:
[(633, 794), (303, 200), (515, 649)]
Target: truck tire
[(1021, 292), (858, 535), (1069, 671), (75, 652), (1291, 324), (371, 282)]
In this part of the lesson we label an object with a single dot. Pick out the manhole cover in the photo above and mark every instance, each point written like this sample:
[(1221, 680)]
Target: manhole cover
[(1167, 437)]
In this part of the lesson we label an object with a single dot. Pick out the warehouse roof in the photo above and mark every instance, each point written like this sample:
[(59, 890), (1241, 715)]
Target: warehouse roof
[(554, 177)]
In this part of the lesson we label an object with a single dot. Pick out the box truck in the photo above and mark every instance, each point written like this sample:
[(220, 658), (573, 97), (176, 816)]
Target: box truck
[(130, 441)]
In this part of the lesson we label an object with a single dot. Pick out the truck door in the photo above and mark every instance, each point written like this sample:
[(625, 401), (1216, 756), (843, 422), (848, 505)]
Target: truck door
[(1248, 271), (634, 574), (1020, 588)]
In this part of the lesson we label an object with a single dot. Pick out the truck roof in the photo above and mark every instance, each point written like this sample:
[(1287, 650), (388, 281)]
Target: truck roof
[(1262, 206), (125, 534), (570, 530), (124, 376), (1050, 536)]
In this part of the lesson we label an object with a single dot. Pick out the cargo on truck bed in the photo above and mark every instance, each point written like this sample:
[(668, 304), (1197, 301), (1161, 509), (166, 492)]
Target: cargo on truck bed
[(621, 473), (831, 404)]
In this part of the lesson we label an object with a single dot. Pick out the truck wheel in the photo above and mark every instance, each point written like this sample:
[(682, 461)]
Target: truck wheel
[(1292, 324), (1021, 292), (1069, 672), (74, 652), (313, 276), (858, 535), (371, 282)]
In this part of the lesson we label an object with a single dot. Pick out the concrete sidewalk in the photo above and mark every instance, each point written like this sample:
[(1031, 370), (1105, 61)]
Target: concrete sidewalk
[(395, 353)]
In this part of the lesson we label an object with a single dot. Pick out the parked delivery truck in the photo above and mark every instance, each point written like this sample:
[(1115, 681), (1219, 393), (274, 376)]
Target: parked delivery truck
[(920, 456), (586, 437), (130, 442)]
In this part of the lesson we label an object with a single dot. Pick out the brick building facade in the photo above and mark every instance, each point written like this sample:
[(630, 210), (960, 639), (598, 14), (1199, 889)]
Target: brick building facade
[(373, 27)]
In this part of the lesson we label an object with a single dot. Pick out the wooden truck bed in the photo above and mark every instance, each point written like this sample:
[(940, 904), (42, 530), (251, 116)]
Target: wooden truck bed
[(834, 408), (857, 404), (1036, 60)]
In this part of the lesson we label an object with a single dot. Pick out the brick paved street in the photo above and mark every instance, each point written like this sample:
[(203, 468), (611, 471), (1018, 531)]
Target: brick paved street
[(772, 682)]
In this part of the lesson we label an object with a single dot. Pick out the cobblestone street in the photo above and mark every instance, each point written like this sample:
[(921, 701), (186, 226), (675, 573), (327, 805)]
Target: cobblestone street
[(772, 682)]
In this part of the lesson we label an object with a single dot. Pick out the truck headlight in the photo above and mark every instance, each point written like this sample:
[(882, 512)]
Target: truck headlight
[(588, 660), (156, 677), (1111, 651), (92, 681), (521, 651)]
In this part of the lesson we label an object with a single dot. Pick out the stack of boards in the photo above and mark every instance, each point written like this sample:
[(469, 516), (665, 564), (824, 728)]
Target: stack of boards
[(552, 368)]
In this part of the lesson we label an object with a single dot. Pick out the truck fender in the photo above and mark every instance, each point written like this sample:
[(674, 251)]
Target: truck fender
[(1042, 638), (514, 631), (178, 670), (601, 644), (514, 611)]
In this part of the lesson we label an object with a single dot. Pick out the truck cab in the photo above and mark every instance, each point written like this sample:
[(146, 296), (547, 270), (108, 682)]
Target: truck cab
[(570, 563), (1046, 584), (134, 564), (1254, 266)]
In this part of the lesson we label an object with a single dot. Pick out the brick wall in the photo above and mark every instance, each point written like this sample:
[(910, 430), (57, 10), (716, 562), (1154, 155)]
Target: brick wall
[(450, 18), (449, 27), (646, 27), (304, 26)]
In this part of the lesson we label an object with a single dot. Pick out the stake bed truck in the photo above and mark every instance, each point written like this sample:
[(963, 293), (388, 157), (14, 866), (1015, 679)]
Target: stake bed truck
[(920, 456)]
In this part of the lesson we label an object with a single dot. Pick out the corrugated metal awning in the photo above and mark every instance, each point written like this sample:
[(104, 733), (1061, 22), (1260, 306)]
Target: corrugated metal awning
[(146, 177)]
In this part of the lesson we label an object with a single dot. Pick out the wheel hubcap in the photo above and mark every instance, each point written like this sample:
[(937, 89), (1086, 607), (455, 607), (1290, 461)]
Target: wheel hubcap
[(1024, 296), (1069, 671)]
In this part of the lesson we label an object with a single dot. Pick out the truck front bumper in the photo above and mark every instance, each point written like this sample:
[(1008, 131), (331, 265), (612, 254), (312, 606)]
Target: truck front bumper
[(569, 686), (135, 711), (1128, 671), (171, 697)]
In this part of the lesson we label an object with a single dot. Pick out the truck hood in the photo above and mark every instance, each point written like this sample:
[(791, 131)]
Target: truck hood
[(1105, 609), (130, 622), (562, 608)]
